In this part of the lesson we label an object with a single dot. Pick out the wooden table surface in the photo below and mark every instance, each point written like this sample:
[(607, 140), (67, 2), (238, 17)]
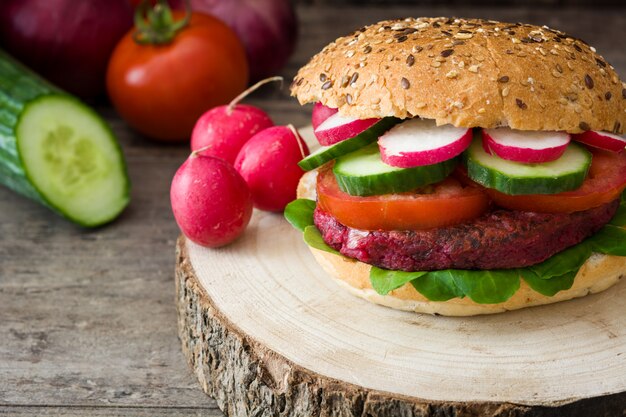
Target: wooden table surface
[(87, 318)]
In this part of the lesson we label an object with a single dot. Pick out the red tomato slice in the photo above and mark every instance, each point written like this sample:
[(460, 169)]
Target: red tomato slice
[(443, 204), (605, 182)]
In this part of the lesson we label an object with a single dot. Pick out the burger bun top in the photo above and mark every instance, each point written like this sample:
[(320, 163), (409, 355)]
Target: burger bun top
[(469, 73)]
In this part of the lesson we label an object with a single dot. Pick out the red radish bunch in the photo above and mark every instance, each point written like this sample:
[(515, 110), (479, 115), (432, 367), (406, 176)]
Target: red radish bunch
[(336, 128), (418, 142), (212, 200), (602, 140), (525, 146)]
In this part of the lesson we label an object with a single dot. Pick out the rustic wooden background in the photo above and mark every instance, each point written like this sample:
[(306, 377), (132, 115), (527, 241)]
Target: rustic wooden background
[(87, 318)]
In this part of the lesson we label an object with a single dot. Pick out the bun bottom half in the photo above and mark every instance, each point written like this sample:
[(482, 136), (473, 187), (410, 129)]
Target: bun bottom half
[(597, 274)]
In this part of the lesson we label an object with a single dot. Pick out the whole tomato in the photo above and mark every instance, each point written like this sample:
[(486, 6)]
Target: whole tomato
[(161, 82)]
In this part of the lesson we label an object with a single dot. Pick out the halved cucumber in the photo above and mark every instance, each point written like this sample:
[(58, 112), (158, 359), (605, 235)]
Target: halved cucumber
[(363, 173), (72, 159), (564, 174), (328, 153), (57, 151)]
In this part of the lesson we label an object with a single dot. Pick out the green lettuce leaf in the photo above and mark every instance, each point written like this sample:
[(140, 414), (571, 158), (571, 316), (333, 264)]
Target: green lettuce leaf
[(610, 240), (550, 286), (299, 213), (620, 217), (489, 286), (383, 280), (571, 259), (440, 286), (313, 238)]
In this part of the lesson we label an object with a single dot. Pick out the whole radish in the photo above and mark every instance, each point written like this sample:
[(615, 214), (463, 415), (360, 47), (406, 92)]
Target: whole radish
[(269, 164), (210, 200), (223, 130)]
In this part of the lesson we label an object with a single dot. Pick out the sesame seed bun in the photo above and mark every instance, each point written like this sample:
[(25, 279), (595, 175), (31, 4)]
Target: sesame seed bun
[(469, 73), (597, 274)]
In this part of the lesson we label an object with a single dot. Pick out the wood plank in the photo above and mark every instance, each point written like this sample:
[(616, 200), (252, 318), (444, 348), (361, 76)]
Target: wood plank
[(87, 315), (81, 411)]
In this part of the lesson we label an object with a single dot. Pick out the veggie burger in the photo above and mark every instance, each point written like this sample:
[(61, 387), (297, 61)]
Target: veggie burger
[(467, 166)]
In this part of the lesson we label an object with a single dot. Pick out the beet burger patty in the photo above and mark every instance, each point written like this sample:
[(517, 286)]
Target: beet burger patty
[(498, 239)]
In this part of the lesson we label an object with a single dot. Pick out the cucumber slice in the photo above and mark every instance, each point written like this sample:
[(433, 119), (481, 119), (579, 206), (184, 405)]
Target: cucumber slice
[(515, 178), (71, 157), (363, 173), (328, 153)]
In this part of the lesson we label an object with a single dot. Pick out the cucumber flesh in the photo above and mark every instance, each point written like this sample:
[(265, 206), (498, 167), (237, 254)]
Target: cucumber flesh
[(516, 178), (72, 159), (364, 173), (328, 153)]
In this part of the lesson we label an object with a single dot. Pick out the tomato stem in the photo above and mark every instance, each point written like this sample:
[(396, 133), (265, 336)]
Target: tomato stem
[(155, 25), (244, 94)]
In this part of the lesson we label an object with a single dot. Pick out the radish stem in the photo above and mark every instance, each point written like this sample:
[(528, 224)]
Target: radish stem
[(245, 93), (297, 136), (197, 151)]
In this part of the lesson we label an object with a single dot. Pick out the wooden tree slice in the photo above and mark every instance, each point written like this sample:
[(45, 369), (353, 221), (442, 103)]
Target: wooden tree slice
[(267, 332)]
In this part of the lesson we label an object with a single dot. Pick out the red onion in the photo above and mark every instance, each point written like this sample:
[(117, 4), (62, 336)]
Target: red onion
[(67, 41), (267, 28)]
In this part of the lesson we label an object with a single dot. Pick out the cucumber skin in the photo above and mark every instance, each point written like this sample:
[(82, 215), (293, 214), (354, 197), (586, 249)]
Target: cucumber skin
[(398, 180), (349, 145), (20, 87), (520, 185), (17, 88)]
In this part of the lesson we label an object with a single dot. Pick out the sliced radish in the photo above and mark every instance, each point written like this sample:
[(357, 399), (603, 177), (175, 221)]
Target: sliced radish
[(321, 113), (337, 128), (525, 146), (418, 142), (602, 140)]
